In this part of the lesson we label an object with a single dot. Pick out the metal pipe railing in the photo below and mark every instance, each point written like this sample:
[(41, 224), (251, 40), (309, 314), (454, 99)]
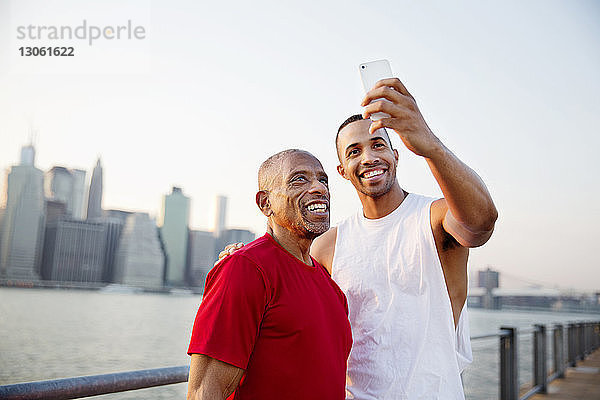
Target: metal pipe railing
[(85, 386), (581, 339)]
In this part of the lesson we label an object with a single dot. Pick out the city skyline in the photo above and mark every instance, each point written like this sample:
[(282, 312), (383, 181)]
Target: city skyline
[(510, 88), (45, 237)]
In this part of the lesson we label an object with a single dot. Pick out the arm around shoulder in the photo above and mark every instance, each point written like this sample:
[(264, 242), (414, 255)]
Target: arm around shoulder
[(323, 248)]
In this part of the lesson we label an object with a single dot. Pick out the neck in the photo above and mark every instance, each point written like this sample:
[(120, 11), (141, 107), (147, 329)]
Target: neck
[(378, 207), (297, 246)]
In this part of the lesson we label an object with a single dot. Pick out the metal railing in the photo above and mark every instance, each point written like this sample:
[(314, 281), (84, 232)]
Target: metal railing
[(582, 339), (85, 386)]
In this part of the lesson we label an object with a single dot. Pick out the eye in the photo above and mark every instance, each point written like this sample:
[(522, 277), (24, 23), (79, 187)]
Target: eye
[(298, 178), (353, 152), (324, 181), (378, 145)]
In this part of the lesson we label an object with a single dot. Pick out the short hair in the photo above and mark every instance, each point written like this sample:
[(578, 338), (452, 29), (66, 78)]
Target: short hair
[(266, 171), (348, 121)]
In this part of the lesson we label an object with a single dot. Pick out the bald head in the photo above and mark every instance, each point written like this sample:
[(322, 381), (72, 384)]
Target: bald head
[(271, 168), (293, 193)]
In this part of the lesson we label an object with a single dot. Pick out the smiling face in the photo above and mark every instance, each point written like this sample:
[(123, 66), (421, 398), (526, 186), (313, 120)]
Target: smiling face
[(367, 160), (298, 195)]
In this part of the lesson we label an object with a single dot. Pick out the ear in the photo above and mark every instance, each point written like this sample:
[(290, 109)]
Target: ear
[(262, 201), (342, 171), (396, 155)]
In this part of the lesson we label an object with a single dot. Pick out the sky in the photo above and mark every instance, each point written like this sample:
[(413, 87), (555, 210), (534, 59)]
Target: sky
[(214, 88)]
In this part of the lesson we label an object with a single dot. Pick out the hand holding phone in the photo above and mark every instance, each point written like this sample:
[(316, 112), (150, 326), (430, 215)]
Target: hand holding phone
[(370, 74)]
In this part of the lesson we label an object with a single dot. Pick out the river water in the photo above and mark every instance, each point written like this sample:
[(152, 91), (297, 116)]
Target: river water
[(53, 333)]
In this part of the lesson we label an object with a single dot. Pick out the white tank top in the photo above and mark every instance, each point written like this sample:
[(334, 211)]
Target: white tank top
[(405, 343)]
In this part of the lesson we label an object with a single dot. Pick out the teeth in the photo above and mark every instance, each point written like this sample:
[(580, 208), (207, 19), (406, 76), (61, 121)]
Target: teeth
[(371, 174), (320, 207)]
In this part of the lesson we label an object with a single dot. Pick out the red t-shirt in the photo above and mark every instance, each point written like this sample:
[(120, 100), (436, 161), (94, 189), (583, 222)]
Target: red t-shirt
[(284, 322)]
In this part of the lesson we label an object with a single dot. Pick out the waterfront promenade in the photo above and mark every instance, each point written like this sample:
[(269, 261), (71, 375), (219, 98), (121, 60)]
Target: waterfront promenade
[(581, 382)]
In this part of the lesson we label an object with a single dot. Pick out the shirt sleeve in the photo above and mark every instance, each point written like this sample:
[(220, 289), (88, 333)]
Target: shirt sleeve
[(228, 319)]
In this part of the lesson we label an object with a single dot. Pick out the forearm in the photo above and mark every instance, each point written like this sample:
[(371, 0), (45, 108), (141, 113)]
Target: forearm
[(211, 379), (472, 213), (206, 392)]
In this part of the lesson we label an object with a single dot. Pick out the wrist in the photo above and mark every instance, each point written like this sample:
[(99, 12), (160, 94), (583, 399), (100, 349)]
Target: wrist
[(436, 150)]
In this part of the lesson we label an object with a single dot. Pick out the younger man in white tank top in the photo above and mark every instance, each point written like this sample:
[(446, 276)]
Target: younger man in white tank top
[(402, 259)]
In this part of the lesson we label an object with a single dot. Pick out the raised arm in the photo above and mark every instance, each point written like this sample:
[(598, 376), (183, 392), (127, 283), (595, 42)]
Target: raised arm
[(470, 213), (211, 379)]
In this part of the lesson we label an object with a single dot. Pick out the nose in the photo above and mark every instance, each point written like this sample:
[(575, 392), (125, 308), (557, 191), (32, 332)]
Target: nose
[(369, 157), (319, 187)]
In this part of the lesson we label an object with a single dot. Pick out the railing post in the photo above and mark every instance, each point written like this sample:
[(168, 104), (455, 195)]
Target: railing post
[(509, 373), (559, 351), (572, 345), (588, 338), (581, 349), (540, 369)]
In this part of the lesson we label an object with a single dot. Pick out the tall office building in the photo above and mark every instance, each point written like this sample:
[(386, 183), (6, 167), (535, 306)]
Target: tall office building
[(122, 215), (220, 215), (55, 210), (94, 207), (74, 251), (229, 236), (113, 221), (173, 223), (139, 259), (201, 256), (67, 186), (78, 194), (23, 225)]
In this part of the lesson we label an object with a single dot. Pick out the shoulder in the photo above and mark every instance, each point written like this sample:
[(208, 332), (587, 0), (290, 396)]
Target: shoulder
[(444, 241), (439, 208), (323, 248)]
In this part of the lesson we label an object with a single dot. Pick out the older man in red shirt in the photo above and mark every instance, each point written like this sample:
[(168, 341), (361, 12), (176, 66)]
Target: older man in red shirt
[(272, 323)]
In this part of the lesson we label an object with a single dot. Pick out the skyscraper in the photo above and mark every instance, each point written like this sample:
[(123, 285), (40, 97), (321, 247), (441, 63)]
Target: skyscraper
[(113, 222), (220, 215), (140, 259), (74, 251), (78, 194), (94, 207), (201, 256), (23, 225), (229, 236), (66, 186), (174, 232), (58, 186)]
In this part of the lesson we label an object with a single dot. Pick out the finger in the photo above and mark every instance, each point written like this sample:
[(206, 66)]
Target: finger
[(384, 92), (393, 83), (380, 106), (229, 247), (380, 123)]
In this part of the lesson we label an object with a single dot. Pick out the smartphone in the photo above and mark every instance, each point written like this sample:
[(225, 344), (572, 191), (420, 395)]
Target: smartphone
[(370, 74)]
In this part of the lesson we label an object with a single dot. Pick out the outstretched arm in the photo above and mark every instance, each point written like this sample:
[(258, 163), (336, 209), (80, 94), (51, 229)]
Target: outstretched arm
[(211, 379), (470, 213)]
